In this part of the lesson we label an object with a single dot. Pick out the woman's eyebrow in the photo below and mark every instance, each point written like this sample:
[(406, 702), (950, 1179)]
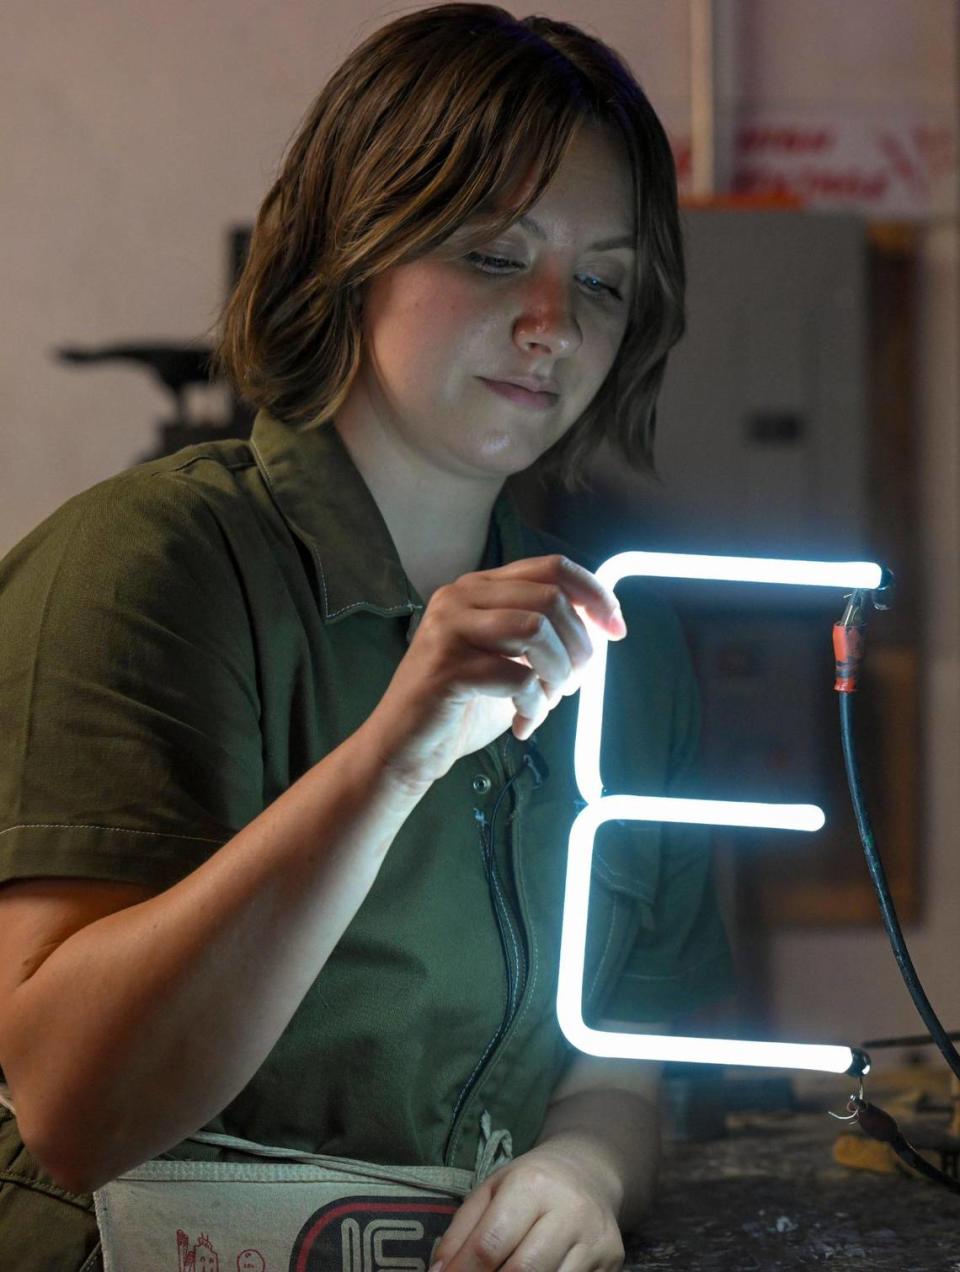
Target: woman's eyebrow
[(601, 245), (535, 228)]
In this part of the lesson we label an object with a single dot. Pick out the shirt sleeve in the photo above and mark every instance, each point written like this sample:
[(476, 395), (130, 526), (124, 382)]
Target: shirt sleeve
[(680, 960), (130, 748)]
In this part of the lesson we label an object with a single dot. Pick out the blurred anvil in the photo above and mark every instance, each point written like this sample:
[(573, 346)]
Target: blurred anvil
[(175, 366)]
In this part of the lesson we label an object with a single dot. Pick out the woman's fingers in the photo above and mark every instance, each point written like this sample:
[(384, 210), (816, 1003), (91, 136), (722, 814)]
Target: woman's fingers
[(582, 588), (487, 1231), (516, 633), (488, 675), (546, 599), (530, 612), (521, 635)]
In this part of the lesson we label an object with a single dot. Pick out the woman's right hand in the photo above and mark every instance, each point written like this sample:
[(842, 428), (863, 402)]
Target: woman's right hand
[(495, 649)]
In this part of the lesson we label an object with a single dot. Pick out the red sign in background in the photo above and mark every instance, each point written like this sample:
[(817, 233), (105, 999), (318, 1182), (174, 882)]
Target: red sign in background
[(887, 166)]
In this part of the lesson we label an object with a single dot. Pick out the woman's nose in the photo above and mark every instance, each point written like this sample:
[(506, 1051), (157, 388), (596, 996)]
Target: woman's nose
[(547, 320)]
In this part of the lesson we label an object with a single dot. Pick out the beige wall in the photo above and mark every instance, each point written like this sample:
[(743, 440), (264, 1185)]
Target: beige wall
[(135, 134)]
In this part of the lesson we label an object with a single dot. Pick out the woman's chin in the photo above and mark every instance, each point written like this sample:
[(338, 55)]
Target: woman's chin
[(510, 452)]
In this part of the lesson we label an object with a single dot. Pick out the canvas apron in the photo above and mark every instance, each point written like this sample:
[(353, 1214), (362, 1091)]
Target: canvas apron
[(283, 1211)]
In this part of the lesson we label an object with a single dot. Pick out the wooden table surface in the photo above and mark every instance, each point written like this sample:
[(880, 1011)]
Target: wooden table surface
[(768, 1195)]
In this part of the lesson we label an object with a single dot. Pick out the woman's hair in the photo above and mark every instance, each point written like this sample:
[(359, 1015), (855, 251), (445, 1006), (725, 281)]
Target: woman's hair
[(429, 122)]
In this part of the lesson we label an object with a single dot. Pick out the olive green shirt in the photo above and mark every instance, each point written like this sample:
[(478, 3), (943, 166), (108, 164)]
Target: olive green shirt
[(179, 643)]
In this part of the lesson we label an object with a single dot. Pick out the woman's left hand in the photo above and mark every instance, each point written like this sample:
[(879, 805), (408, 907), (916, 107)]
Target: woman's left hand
[(544, 1212)]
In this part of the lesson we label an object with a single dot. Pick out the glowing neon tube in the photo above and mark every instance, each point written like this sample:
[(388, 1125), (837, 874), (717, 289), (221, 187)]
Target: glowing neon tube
[(865, 575), (573, 940), (849, 574), (600, 808)]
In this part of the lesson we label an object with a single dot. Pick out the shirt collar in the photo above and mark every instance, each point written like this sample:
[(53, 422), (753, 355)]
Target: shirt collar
[(325, 501)]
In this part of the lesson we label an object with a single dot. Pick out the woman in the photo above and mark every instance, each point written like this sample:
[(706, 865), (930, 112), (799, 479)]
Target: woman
[(289, 771)]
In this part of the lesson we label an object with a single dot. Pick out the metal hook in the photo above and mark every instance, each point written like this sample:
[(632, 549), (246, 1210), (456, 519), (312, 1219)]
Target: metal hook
[(840, 1116), (853, 1104)]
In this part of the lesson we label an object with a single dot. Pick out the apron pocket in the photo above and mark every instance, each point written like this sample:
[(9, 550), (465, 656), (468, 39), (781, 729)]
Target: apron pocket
[(215, 1216)]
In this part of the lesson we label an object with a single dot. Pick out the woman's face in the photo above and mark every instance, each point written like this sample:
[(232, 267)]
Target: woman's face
[(548, 299)]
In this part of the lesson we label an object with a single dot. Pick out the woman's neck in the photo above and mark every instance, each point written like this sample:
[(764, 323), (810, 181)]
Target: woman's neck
[(439, 524)]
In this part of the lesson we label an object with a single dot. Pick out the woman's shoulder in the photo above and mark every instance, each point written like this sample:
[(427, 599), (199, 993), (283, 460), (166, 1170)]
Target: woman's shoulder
[(173, 495), (156, 535), (208, 472)]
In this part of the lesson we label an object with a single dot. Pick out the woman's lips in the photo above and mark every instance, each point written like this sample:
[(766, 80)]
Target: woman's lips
[(539, 401)]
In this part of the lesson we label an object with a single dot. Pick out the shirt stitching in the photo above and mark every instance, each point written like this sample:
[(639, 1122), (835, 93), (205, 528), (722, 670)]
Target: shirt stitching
[(37, 1185), (126, 830), (265, 473), (383, 609), (513, 939), (623, 880), (603, 956), (328, 613), (691, 967), (479, 1065), (196, 459), (25, 749)]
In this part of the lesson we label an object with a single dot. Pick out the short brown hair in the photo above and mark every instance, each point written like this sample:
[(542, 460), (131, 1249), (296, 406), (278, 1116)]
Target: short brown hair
[(429, 121)]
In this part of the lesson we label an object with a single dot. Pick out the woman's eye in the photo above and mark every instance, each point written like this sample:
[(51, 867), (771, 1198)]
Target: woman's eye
[(602, 286), (491, 263), (500, 265)]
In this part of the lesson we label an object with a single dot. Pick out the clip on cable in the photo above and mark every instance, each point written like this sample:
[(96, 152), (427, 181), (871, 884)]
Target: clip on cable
[(849, 639), (850, 634)]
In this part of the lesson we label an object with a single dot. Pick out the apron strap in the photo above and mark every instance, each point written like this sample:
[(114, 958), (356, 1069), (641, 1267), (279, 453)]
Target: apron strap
[(495, 1149)]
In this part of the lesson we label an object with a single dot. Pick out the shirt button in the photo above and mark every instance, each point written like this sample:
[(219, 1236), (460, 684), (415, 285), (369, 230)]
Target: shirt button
[(481, 784)]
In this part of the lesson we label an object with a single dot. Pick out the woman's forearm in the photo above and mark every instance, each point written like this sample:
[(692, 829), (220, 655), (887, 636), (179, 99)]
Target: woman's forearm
[(143, 1025), (616, 1136)]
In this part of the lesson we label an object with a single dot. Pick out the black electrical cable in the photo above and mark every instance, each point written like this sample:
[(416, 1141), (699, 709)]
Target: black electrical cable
[(914, 1040), (879, 1125), (874, 865)]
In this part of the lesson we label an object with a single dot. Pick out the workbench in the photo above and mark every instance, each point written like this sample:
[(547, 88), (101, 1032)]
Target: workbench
[(768, 1196)]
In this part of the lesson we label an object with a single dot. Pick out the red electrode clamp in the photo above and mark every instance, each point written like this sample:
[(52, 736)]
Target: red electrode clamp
[(850, 634), (849, 638)]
